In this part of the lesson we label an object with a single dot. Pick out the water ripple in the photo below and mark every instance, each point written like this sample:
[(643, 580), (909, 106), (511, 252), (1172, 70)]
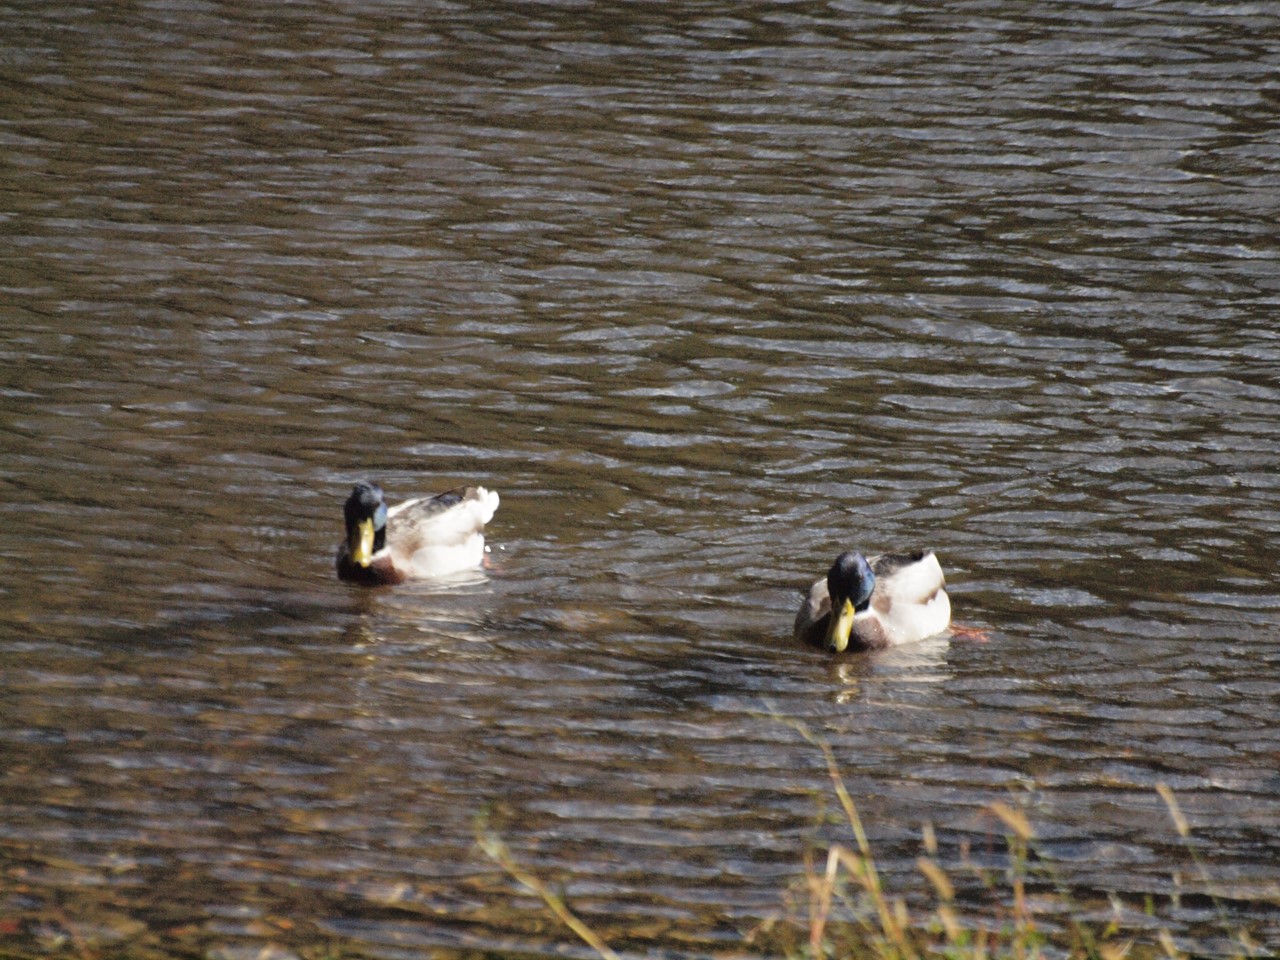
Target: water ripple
[(708, 296)]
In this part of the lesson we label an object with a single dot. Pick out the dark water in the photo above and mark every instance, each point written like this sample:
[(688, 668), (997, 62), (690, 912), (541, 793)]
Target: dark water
[(707, 291)]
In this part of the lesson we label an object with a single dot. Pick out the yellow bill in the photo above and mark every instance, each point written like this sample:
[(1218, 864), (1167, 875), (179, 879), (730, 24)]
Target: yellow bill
[(362, 544), (839, 626)]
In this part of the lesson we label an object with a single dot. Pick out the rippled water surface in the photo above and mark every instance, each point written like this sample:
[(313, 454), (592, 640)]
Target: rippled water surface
[(707, 291)]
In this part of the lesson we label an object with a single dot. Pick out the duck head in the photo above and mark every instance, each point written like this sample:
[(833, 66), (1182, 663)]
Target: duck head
[(366, 515), (849, 584)]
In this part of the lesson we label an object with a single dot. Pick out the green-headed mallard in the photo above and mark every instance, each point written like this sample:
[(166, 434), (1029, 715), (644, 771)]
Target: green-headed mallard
[(424, 537), (890, 599)]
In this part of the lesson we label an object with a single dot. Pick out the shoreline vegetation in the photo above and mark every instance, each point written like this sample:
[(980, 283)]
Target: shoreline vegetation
[(957, 903), (841, 910)]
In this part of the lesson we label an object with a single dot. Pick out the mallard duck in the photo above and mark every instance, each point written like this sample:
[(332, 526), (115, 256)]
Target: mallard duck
[(424, 537), (887, 600)]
